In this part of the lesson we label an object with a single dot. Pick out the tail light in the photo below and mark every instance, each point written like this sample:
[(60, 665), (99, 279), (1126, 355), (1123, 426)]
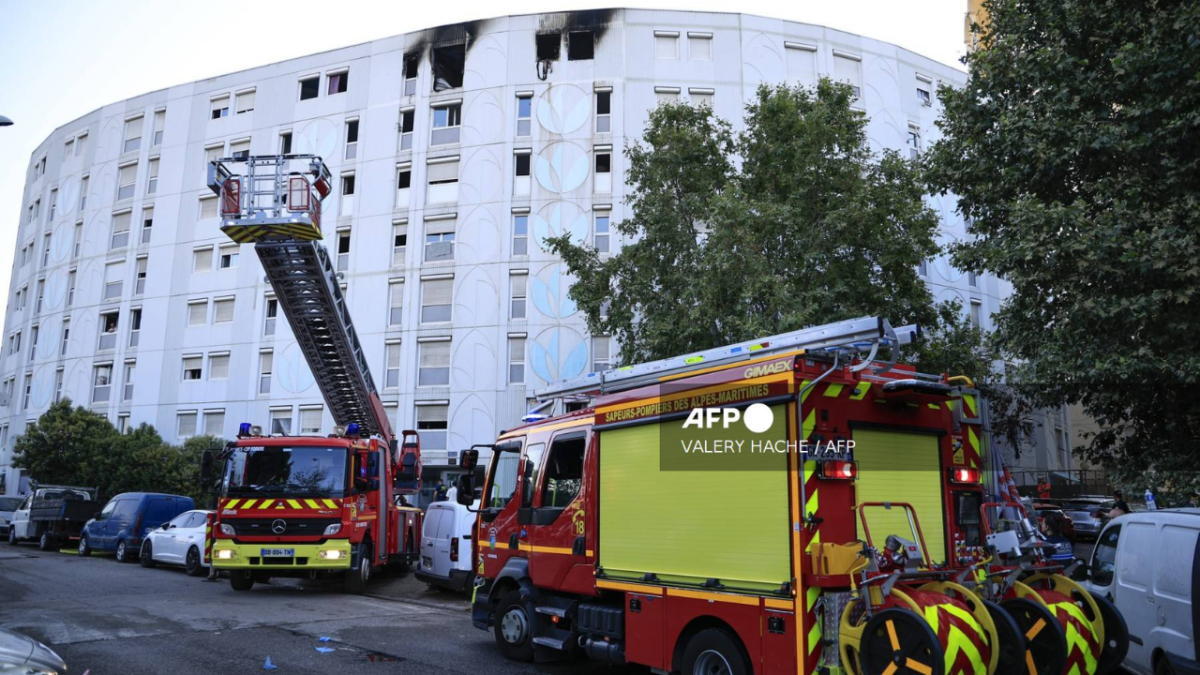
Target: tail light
[(839, 470), (964, 474), (454, 549)]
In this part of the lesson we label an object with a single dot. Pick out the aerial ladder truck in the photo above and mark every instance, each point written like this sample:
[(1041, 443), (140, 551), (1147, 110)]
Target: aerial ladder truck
[(309, 506)]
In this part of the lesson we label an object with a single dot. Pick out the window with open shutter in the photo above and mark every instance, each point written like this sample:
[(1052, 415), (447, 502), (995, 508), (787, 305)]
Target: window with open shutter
[(433, 364), (192, 367), (152, 177), (432, 421), (443, 172), (114, 277), (266, 361)]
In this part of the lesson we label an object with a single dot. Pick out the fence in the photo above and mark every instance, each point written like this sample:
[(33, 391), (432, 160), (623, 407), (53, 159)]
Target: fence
[(1064, 484)]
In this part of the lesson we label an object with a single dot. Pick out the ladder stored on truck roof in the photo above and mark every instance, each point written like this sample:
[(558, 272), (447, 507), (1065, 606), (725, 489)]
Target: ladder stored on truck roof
[(862, 336), (278, 209)]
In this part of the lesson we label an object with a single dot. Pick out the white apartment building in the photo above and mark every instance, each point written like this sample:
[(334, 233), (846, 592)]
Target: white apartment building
[(456, 151)]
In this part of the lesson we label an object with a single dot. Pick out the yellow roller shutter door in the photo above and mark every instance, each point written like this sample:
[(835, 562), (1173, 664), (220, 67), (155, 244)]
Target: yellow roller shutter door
[(901, 467)]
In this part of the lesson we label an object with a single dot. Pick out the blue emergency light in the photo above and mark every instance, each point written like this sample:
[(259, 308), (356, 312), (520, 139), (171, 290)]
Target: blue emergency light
[(352, 429), (244, 429)]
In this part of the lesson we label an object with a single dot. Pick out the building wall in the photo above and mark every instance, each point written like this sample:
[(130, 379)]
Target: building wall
[(641, 56)]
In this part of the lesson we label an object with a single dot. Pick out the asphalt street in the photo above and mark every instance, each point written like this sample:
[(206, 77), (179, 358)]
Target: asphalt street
[(108, 618)]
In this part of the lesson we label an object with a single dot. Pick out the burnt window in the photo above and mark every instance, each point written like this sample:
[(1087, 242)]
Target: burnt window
[(581, 45), (548, 46), (411, 61), (448, 64)]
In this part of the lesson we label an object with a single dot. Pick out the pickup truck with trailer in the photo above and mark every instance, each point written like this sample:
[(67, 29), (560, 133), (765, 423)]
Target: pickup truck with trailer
[(52, 515)]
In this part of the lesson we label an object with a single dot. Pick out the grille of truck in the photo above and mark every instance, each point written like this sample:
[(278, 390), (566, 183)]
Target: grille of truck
[(261, 527)]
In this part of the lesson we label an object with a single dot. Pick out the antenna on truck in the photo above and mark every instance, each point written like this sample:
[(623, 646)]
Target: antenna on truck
[(862, 336)]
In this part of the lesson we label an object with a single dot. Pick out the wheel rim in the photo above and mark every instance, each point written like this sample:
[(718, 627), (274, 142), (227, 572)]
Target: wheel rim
[(121, 551), (193, 560), (514, 626), (712, 663), (364, 570), (899, 642), (146, 552), (82, 544), (45, 540), (1045, 641)]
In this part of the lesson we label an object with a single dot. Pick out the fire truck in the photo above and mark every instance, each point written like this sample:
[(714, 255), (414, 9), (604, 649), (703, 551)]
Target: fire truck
[(309, 505), (801, 503)]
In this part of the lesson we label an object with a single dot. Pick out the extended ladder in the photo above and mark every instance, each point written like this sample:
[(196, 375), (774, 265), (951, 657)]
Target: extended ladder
[(862, 336)]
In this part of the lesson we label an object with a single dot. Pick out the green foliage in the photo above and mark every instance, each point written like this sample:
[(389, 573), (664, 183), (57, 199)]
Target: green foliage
[(75, 446), (790, 223), (1074, 150)]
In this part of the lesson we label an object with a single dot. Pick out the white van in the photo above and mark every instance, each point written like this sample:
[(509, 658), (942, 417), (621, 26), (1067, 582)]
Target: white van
[(446, 546), (1147, 563)]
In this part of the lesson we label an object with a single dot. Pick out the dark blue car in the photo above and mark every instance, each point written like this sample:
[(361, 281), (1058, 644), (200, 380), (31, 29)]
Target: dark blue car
[(125, 520)]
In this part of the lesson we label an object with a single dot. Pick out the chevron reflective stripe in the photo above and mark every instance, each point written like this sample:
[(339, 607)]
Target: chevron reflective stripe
[(1083, 647), (861, 391), (331, 504), (294, 504), (249, 503), (266, 503), (969, 404), (833, 390), (806, 390), (231, 504), (312, 504)]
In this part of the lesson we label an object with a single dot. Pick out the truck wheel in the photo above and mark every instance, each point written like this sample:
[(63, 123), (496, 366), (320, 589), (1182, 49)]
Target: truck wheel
[(146, 556), (85, 549), (122, 552), (12, 535), (358, 575), (193, 566), (713, 651), (46, 543), (513, 628), (241, 580)]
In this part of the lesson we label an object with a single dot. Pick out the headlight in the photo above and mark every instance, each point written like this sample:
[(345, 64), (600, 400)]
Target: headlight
[(225, 554), (331, 555), (333, 529), (227, 529)]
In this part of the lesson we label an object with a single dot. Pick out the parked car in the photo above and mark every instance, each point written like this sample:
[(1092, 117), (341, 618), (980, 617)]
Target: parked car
[(446, 546), (179, 541), (52, 515), (21, 654), (8, 505), (1042, 508), (1146, 563), (126, 519), (1086, 517)]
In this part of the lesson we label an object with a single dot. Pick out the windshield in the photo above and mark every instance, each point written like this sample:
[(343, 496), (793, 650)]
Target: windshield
[(10, 503), (277, 470)]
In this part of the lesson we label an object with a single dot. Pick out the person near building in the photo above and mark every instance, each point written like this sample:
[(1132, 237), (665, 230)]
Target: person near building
[(1043, 488), (440, 495), (1120, 507)]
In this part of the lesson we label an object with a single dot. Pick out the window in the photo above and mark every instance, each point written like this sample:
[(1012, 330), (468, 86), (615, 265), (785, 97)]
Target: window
[(139, 278), (70, 288), (521, 160), (147, 224), (403, 183), (41, 295), (208, 207), (351, 139), (411, 62), (600, 237), (310, 420), (192, 368), (443, 180), (846, 69), (337, 82), (431, 423), (347, 185), (213, 153), (69, 149), (14, 342), (245, 101), (972, 280), (581, 45), (133, 134), (699, 97), (923, 268), (33, 340), (229, 256), (914, 143), (240, 149), (601, 353), (391, 373), (53, 204), (272, 306), (310, 87), (185, 424), (58, 387), (223, 310), (524, 115), (126, 177), (407, 120), (127, 392), (399, 244), (220, 107), (135, 326), (518, 281), (976, 313), (548, 46), (603, 169), (343, 250), (281, 421), (395, 302), (436, 295), (80, 144), (667, 94), (218, 366), (83, 193), (603, 112), (447, 120), (266, 361), (120, 230), (285, 143), (666, 44), (563, 472), (516, 360), (114, 280), (439, 240), (152, 177), (101, 383), (160, 123), (700, 46), (520, 242), (202, 259), (214, 422), (448, 65), (197, 312), (1104, 557)]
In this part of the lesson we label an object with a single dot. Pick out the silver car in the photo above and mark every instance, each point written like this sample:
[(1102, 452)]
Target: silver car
[(1087, 518), (7, 506), (21, 655)]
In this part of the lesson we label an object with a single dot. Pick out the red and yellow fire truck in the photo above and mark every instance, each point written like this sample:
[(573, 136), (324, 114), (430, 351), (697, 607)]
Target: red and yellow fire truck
[(309, 505), (788, 505)]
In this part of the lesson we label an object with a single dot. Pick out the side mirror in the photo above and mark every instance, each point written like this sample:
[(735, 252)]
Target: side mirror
[(1079, 570), (206, 467), (164, 526), (468, 459), (465, 494)]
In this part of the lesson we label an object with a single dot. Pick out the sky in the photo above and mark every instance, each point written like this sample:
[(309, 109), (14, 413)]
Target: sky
[(64, 58)]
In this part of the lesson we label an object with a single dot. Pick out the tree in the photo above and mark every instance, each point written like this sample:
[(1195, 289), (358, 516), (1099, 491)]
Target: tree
[(1074, 150), (790, 223)]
